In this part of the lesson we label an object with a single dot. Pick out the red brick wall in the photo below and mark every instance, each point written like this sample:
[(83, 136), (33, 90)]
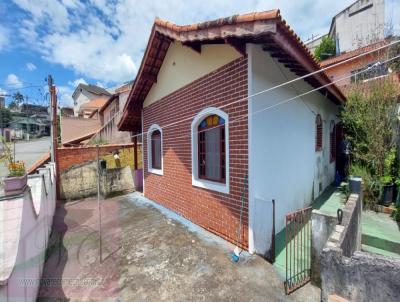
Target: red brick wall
[(68, 157), (217, 212)]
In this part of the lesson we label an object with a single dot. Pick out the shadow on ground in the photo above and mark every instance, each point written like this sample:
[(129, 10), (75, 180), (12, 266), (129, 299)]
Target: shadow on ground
[(148, 255)]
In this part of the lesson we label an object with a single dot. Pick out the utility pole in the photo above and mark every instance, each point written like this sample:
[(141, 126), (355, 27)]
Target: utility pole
[(98, 200), (54, 132)]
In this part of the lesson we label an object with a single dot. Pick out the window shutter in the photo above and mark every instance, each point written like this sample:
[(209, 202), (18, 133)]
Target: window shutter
[(318, 133)]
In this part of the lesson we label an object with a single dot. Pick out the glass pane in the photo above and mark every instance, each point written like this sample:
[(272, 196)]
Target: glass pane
[(156, 149), (213, 153)]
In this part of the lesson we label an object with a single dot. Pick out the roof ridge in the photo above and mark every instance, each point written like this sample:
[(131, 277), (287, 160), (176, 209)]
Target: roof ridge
[(237, 18)]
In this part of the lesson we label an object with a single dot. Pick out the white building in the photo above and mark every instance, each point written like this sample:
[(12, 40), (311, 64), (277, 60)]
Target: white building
[(85, 93), (362, 23)]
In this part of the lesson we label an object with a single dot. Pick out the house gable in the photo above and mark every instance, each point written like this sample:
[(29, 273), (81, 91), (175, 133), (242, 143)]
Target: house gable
[(182, 65)]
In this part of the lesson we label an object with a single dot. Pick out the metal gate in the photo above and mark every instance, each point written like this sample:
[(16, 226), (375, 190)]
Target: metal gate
[(298, 249)]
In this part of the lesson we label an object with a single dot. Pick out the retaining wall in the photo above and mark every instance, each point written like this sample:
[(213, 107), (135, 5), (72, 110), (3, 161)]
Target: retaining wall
[(322, 226), (355, 275), (80, 181)]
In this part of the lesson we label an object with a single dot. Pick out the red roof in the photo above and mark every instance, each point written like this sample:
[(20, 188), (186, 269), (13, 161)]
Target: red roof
[(266, 28), (353, 53), (94, 104)]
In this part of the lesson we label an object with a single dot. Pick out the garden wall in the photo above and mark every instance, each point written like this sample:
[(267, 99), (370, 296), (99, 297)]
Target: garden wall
[(355, 275), (80, 181)]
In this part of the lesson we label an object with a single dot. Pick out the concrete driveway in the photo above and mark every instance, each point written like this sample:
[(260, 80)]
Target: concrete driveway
[(150, 254)]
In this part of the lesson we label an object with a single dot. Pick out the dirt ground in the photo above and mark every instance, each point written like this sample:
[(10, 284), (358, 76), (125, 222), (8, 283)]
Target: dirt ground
[(150, 254)]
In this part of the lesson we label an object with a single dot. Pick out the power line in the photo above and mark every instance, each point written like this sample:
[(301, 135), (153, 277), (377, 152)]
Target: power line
[(265, 108), (284, 84)]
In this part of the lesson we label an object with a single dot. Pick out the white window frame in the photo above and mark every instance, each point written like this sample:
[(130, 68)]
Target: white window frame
[(196, 181), (150, 169)]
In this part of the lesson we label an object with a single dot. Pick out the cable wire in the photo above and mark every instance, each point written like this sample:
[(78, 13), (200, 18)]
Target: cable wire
[(266, 108)]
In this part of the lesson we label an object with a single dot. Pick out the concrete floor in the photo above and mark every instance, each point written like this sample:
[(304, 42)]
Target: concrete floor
[(380, 234), (332, 199), (150, 254)]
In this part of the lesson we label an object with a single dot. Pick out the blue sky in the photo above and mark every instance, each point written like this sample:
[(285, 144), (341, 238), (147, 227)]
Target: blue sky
[(102, 42)]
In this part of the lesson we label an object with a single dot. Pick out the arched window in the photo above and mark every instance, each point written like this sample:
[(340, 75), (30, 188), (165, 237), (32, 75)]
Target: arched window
[(154, 150), (318, 133), (210, 151), (332, 139), (211, 148)]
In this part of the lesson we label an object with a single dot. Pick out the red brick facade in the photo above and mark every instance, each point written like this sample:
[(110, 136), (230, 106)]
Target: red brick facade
[(68, 157), (216, 212)]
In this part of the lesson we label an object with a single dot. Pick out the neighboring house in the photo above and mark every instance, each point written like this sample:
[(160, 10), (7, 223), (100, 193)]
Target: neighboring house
[(206, 134), (349, 71), (31, 109), (77, 130), (34, 126), (110, 115), (85, 93), (362, 23), (88, 109)]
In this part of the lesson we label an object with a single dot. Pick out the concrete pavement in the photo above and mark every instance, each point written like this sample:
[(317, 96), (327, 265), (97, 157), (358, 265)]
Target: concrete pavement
[(150, 254), (28, 152)]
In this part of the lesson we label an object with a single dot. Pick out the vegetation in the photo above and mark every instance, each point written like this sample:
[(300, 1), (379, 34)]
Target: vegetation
[(5, 117), (370, 121), (326, 49), (97, 141), (18, 99), (6, 156), (394, 51)]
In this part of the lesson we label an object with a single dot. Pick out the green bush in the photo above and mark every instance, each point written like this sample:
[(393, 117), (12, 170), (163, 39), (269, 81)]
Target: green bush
[(371, 184), (370, 121), (326, 49)]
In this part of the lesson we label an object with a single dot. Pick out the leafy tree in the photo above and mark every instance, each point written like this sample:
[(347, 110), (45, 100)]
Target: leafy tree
[(370, 120), (5, 117), (18, 99), (326, 49)]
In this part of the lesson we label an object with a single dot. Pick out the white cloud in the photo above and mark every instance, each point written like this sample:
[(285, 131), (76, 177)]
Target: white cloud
[(64, 93), (13, 81), (2, 91), (30, 66), (76, 82), (64, 96), (105, 40)]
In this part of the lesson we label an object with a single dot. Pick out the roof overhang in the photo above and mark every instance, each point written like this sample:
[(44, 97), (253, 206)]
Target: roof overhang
[(265, 28)]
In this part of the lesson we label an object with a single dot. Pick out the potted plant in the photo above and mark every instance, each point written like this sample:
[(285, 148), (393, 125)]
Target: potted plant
[(389, 170), (17, 177), (387, 190)]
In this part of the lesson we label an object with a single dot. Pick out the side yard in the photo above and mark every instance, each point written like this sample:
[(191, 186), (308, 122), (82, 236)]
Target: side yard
[(150, 254)]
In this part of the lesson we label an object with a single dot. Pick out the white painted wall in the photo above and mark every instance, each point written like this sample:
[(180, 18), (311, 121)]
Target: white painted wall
[(355, 28), (182, 65), (82, 98), (25, 226), (283, 164)]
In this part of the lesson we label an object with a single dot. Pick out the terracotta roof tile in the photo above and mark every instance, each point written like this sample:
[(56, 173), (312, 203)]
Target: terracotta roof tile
[(353, 53), (249, 28), (94, 104)]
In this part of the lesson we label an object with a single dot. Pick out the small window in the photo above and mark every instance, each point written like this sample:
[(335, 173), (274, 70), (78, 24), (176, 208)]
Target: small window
[(155, 150), (211, 148), (318, 133), (332, 139)]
